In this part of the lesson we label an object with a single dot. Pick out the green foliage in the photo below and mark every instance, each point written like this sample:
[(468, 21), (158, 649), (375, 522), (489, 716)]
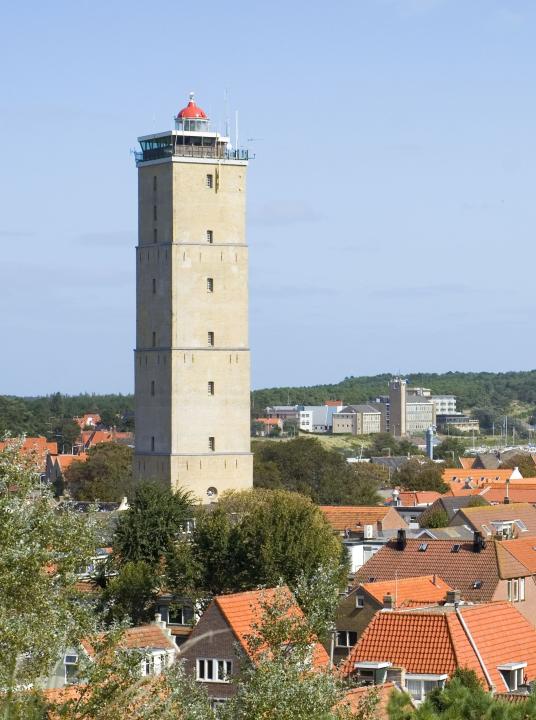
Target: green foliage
[(106, 475), (421, 474), (131, 593), (386, 444), (154, 521), (436, 518), (524, 462), (477, 501), (42, 550), (280, 683), (450, 450), (261, 537), (67, 433), (305, 466)]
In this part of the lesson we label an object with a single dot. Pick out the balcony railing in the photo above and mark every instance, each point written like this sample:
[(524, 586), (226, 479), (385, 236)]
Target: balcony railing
[(193, 151)]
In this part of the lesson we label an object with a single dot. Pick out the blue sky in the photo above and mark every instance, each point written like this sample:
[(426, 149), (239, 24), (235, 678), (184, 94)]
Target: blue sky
[(391, 209)]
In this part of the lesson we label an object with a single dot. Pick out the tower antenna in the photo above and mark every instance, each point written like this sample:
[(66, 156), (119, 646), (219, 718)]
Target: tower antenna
[(236, 129), (226, 112)]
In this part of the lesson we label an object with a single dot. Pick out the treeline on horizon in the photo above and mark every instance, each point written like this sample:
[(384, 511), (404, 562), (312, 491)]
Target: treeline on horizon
[(488, 395)]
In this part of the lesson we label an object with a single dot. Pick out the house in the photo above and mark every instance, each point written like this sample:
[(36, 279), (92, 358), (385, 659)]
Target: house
[(358, 607), (508, 521), (39, 447), (318, 418), (56, 465), (217, 648), (357, 420), (178, 614), (420, 649), (483, 571), (363, 529), (154, 641), (449, 505), (89, 420), (268, 425), (283, 412), (497, 494)]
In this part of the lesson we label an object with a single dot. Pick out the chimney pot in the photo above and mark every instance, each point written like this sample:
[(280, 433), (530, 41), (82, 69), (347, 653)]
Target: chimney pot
[(453, 597), (388, 602)]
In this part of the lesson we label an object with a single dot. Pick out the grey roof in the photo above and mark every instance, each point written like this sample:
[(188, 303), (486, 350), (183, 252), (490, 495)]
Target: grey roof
[(460, 532), (360, 409), (395, 462), (487, 461), (451, 505)]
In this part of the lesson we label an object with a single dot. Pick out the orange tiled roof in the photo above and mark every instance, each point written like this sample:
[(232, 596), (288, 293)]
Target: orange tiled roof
[(477, 475), (341, 517), (459, 569), (481, 518), (413, 591), (466, 462), (268, 421), (243, 610), (39, 446), (64, 461), (414, 498), (140, 638), (523, 550), (436, 643), (496, 493)]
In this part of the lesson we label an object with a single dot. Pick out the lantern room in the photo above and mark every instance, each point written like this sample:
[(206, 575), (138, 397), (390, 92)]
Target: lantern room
[(192, 118)]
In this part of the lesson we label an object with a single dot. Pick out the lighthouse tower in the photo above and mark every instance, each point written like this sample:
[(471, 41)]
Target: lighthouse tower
[(192, 360)]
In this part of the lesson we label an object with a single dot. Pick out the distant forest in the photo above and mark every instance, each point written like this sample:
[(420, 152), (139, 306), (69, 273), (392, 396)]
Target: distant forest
[(486, 395)]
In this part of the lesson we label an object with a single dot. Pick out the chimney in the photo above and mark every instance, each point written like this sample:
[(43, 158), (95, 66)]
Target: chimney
[(158, 621), (478, 541), (388, 602), (401, 539), (453, 597), (434, 579)]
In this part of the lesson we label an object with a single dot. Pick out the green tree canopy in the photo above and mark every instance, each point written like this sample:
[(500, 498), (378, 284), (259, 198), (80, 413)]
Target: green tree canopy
[(154, 521), (106, 475), (421, 474), (524, 462), (304, 465), (450, 450)]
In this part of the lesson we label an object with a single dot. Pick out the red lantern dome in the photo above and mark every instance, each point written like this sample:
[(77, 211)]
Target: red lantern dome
[(192, 111)]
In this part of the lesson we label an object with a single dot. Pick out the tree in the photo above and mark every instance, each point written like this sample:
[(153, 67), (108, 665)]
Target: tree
[(154, 521), (67, 433), (42, 550), (280, 681), (131, 593), (260, 537), (106, 475), (450, 450), (382, 442), (305, 466), (421, 474), (434, 518), (524, 462)]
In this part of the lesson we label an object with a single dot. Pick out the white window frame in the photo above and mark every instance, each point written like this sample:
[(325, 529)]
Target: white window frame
[(516, 589), (437, 680), (227, 667), (347, 644), (515, 673), (70, 660), (359, 601)]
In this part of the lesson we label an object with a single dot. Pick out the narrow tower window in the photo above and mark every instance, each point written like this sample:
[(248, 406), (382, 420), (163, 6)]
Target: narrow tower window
[(211, 338), (155, 213), (155, 236), (154, 286), (211, 387), (210, 180), (211, 444), (152, 443), (154, 339), (210, 285), (154, 183), (152, 388), (210, 236)]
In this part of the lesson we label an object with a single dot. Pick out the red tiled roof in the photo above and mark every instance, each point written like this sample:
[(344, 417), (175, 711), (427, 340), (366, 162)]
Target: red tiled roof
[(523, 550), (482, 517), (459, 569), (268, 421), (414, 498), (64, 461), (243, 610), (140, 638), (437, 643), (413, 591), (341, 517), (477, 475), (495, 494)]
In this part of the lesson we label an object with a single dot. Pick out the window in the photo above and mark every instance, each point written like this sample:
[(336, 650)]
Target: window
[(210, 285), (71, 667), (153, 663), (155, 213), (423, 547), (155, 236), (152, 388), (211, 338), (210, 180), (180, 615), (154, 182), (211, 387), (214, 670), (210, 236), (152, 443), (419, 687), (516, 589), (346, 638), (359, 601), (154, 339), (211, 443), (154, 286), (513, 674)]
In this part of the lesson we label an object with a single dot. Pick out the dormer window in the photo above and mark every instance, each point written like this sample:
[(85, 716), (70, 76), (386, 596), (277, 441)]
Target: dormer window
[(516, 589), (372, 672), (513, 674)]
